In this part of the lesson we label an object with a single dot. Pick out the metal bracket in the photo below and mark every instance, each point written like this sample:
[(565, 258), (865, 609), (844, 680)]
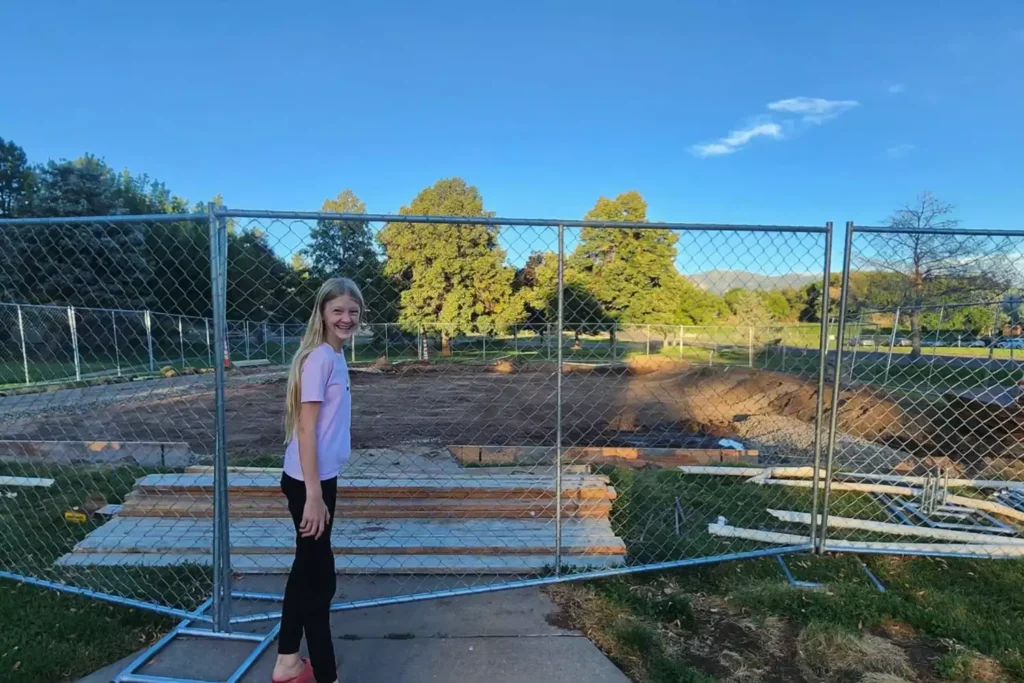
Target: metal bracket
[(185, 628)]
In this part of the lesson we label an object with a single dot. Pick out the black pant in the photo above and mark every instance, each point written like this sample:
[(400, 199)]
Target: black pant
[(311, 585)]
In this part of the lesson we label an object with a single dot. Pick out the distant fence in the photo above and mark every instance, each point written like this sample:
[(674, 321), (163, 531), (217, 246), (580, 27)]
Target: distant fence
[(44, 344)]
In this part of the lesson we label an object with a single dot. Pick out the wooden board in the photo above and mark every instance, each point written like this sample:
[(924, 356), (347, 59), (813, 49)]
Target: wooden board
[(352, 537), (202, 506), (575, 455), (510, 486)]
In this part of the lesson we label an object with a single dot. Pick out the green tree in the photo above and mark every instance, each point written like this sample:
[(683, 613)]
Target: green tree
[(777, 305), (453, 276), (630, 271), (17, 181), (346, 248)]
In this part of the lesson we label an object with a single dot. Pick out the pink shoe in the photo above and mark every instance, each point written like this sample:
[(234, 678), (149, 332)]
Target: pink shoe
[(304, 676)]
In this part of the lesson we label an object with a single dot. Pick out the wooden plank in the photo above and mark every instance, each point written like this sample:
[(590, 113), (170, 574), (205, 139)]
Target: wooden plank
[(472, 454), (425, 508)]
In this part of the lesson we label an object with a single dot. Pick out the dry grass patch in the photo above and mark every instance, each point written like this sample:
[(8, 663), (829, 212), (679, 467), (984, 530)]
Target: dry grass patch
[(829, 653)]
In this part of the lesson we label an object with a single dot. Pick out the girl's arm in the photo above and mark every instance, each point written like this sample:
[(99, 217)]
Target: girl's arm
[(308, 414), (312, 387)]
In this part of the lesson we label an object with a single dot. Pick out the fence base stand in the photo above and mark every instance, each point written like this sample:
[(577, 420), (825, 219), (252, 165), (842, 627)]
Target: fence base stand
[(185, 629)]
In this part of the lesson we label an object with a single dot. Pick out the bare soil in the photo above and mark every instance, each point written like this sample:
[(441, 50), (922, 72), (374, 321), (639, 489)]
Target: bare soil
[(507, 404)]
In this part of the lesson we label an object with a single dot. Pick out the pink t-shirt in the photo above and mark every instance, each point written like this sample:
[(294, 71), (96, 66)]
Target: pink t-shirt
[(325, 380)]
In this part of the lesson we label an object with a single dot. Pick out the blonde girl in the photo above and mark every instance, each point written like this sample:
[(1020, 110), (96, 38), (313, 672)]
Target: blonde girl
[(318, 419)]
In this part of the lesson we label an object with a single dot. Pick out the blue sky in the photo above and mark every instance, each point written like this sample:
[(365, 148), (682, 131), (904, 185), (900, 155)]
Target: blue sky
[(752, 112)]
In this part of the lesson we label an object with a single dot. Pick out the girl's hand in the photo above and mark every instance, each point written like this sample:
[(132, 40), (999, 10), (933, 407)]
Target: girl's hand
[(315, 516)]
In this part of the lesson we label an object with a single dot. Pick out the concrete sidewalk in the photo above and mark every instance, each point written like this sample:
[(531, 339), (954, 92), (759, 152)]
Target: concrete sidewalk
[(503, 637)]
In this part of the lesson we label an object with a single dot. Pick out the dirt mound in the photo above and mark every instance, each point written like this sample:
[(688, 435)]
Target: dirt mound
[(642, 365)]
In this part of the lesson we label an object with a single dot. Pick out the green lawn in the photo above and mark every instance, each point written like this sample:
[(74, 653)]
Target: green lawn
[(47, 636), (943, 619)]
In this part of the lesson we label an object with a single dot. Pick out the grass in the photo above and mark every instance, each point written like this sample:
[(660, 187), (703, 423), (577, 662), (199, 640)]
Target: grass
[(959, 611), (51, 636), (939, 619), (48, 636)]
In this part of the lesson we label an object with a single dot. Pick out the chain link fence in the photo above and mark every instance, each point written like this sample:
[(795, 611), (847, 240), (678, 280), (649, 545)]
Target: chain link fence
[(527, 407), (97, 392), (926, 405)]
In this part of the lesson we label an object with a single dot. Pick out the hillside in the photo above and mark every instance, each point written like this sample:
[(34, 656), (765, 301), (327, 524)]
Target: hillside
[(721, 281)]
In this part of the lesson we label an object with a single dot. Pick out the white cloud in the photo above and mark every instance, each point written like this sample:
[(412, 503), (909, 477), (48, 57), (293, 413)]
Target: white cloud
[(896, 88), (737, 139), (813, 109), (899, 151)]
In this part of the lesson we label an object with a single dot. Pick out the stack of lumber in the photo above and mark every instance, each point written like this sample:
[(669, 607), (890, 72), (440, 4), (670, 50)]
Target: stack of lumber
[(453, 522)]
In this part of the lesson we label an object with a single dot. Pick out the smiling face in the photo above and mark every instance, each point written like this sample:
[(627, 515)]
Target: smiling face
[(341, 318)]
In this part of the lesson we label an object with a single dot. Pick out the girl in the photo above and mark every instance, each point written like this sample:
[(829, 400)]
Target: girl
[(318, 418)]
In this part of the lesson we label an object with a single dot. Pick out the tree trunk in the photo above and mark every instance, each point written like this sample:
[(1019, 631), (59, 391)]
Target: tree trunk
[(446, 344), (915, 332)]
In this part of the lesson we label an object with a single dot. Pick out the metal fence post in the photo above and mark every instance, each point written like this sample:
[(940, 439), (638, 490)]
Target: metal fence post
[(246, 333), (750, 347), (117, 352), (209, 349), (483, 346), (181, 342), (353, 344), (836, 387), (648, 340), (24, 349), (387, 352), (283, 355), (822, 367), (73, 325), (147, 320), (558, 404), (221, 538), (892, 343)]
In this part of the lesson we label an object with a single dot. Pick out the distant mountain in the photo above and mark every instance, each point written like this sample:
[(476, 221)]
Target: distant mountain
[(721, 281)]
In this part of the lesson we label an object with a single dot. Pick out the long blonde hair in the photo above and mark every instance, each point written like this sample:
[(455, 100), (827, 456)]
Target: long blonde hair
[(312, 339)]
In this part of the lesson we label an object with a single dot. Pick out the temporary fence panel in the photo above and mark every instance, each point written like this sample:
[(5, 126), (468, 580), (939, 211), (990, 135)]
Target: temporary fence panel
[(508, 427), (927, 434), (86, 417)]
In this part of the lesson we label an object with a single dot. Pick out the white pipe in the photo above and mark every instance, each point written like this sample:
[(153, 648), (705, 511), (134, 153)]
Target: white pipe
[(25, 481), (993, 550), (987, 506), (808, 472), (848, 486), (897, 529)]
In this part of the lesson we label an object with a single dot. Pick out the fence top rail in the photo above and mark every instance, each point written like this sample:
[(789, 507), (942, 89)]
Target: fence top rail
[(524, 222), (117, 218), (966, 232)]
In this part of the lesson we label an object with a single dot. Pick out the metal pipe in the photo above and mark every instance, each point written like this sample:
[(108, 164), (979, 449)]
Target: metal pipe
[(209, 349), (90, 220), (128, 674), (117, 352), (24, 350), (836, 382), (546, 581), (558, 403), (892, 343), (147, 321), (181, 342), (220, 635), (72, 324), (117, 600), (526, 222), (822, 368), (255, 654), (221, 541)]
